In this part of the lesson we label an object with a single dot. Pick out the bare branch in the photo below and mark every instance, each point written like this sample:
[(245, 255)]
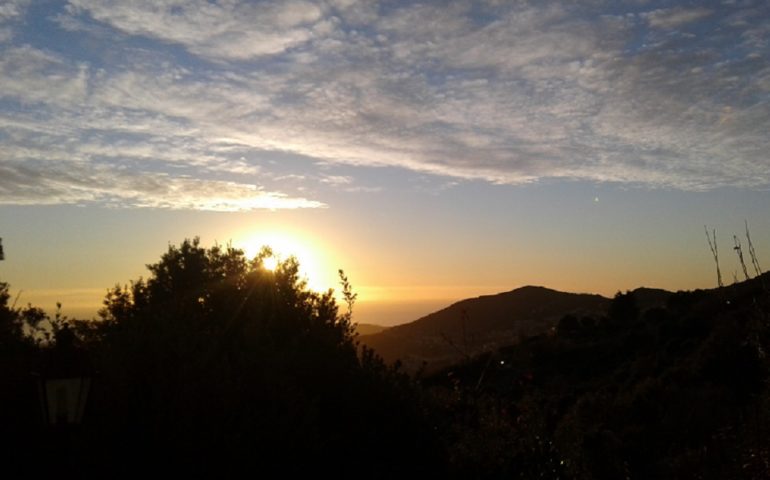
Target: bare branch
[(752, 252), (739, 251), (714, 252)]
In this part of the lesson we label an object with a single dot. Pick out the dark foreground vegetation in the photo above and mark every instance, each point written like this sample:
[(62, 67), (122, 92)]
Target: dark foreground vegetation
[(676, 391), (214, 365)]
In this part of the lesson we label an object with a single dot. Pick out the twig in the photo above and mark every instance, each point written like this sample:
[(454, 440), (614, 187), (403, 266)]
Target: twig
[(453, 345), (715, 253), (13, 307), (752, 252), (739, 251), (484, 372)]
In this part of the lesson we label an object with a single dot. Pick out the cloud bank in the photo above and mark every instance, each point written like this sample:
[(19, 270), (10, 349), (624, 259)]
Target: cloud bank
[(172, 104)]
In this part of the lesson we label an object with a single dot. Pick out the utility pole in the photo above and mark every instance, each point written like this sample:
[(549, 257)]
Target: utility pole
[(2, 255)]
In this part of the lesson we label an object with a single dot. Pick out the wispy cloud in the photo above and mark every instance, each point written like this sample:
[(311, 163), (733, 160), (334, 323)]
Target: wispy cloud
[(232, 30), (194, 93), (32, 183), (675, 17), (10, 12)]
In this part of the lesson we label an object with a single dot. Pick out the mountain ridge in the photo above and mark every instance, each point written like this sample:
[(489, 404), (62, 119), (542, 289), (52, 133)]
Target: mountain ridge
[(473, 325)]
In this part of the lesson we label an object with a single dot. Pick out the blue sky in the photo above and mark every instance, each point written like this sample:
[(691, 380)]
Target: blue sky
[(471, 125)]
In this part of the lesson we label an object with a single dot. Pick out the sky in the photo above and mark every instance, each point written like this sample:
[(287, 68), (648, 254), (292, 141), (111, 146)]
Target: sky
[(433, 150)]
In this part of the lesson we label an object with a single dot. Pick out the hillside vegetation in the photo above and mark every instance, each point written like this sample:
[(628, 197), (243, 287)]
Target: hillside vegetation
[(216, 366), (477, 325), (674, 391)]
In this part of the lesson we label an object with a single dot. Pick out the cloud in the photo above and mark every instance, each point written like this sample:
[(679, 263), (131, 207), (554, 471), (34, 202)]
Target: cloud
[(337, 180), (33, 75), (32, 183), (668, 18), (10, 12), (504, 92), (12, 9), (233, 30), (79, 136)]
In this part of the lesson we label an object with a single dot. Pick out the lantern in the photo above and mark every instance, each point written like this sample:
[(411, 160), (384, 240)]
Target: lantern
[(65, 382)]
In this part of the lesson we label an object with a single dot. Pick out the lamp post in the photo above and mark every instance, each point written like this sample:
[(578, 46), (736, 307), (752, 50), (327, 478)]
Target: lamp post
[(63, 388), (65, 382)]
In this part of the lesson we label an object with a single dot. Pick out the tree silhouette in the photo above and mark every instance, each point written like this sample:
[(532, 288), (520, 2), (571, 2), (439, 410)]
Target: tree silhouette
[(9, 327), (215, 361), (18, 406), (624, 308)]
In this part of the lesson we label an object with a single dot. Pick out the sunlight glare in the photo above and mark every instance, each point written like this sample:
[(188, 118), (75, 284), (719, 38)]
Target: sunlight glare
[(312, 264), (270, 263)]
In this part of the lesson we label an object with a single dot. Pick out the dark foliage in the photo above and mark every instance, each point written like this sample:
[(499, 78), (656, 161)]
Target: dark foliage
[(215, 365), (676, 391), (19, 411)]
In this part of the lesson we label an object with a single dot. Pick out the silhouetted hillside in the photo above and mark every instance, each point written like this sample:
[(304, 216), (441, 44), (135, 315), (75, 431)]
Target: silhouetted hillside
[(647, 298), (480, 324), (368, 328), (678, 390)]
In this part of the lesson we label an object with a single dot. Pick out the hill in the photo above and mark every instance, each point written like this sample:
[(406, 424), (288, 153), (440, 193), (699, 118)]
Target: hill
[(678, 390), (480, 324), (369, 329)]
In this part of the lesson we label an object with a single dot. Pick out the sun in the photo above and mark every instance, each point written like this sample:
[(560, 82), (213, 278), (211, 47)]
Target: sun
[(270, 263), (311, 258)]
